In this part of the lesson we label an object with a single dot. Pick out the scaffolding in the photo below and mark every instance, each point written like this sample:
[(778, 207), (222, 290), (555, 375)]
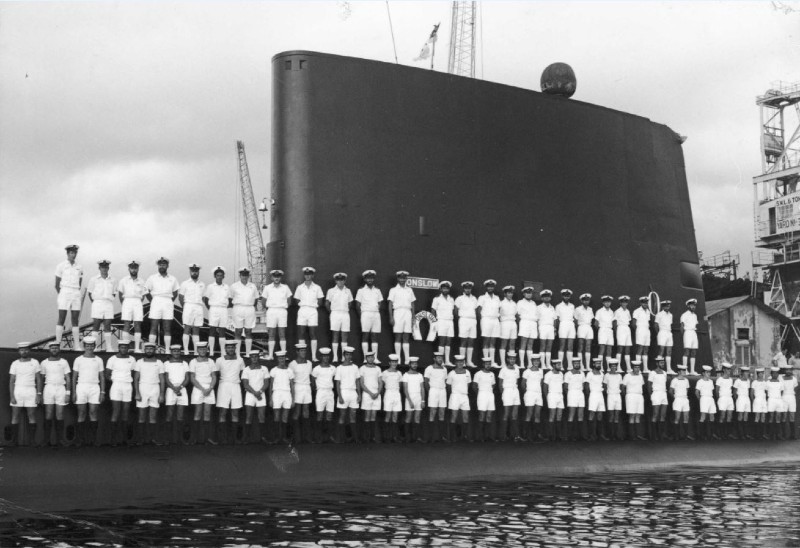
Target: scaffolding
[(463, 32)]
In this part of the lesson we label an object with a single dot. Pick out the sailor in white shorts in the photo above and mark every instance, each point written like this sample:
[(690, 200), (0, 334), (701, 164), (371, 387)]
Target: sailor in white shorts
[(368, 301), (508, 323), (102, 289), (657, 382), (604, 319), (337, 303), (348, 393), (392, 399), (401, 314), (554, 395), (371, 389), (308, 296), (532, 399), (69, 276), (466, 306), (679, 388), (641, 323), (244, 296), (276, 297), (88, 391), (484, 382), (575, 381), (190, 295), (789, 396), (584, 317), (596, 405), (176, 379), (301, 384), (776, 406), (322, 381), (163, 288), (131, 291), (622, 321), (489, 314), (689, 328), (56, 373), (229, 392), (565, 316), (664, 336), (413, 386), (547, 330), (255, 384), (442, 307), (725, 405), (203, 376), (528, 313), (508, 379), (217, 298), (281, 394), (759, 388), (704, 389), (436, 388), (25, 386), (633, 389), (148, 391), (119, 369), (459, 380), (741, 390)]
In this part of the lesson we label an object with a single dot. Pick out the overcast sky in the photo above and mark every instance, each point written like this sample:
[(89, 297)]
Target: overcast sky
[(118, 121)]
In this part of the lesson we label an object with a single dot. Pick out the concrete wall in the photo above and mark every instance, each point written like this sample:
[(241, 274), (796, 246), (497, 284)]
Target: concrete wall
[(764, 334)]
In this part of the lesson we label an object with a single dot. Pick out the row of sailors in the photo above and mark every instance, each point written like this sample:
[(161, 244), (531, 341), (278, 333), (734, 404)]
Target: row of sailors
[(348, 387), (503, 319)]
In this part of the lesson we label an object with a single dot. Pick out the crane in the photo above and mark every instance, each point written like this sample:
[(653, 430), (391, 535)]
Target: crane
[(461, 60)]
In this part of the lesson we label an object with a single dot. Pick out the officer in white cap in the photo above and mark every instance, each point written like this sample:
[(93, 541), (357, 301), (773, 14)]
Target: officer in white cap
[(217, 298), (689, 329), (508, 323), (25, 385), (132, 291), (337, 303), (584, 317), (88, 390), (641, 327), (489, 315), (276, 297), (664, 336), (622, 319), (190, 295), (244, 296), (528, 312), (604, 320), (163, 288), (368, 303), (102, 289), (565, 317), (547, 328), (69, 276), (308, 296), (443, 307), (401, 314), (466, 306)]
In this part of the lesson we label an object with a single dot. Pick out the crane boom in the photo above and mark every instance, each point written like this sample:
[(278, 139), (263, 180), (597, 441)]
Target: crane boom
[(256, 256)]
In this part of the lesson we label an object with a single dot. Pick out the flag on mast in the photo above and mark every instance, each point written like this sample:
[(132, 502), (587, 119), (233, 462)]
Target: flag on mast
[(425, 52)]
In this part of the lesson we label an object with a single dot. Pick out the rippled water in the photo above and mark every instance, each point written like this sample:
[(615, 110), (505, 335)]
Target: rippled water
[(687, 508)]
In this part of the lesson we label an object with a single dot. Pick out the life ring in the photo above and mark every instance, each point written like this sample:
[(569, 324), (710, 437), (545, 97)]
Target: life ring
[(424, 315)]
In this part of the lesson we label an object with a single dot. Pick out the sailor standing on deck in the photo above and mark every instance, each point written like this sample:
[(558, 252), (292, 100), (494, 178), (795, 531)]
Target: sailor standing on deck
[(664, 336), (229, 392), (679, 387), (148, 388), (276, 298), (337, 302), (281, 394), (176, 379), (604, 318), (484, 382), (689, 329), (322, 380), (466, 306), (436, 387), (776, 407), (25, 387), (119, 369), (392, 399), (489, 314), (584, 316), (190, 295), (371, 389), (301, 388), (368, 302), (69, 275), (532, 398), (547, 330), (725, 406), (203, 374), (163, 289), (217, 299), (633, 389), (574, 382), (102, 289), (88, 389), (348, 394), (641, 325), (254, 382), (442, 307), (413, 385), (741, 391), (508, 380), (596, 406), (401, 314), (508, 323), (244, 296), (759, 388), (565, 315), (459, 380), (528, 312), (704, 390), (613, 383), (657, 387), (622, 321), (131, 291), (56, 394), (554, 394), (789, 400), (308, 296)]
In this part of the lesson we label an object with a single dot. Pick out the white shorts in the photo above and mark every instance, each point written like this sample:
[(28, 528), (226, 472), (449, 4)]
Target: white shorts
[(252, 401), (87, 393), (198, 398), (171, 398), (490, 327), (643, 337), (150, 394), (132, 310), (276, 317), (707, 405), (566, 330), (392, 401), (585, 332), (368, 403), (725, 403), (485, 401), (193, 314), (281, 399), (680, 405), (743, 405), (532, 399), (69, 299), (789, 404), (308, 316), (162, 308), (349, 397), (55, 394), (26, 396), (458, 402), (229, 395), (340, 321), (614, 402), (302, 394), (659, 398), (634, 404), (759, 405), (555, 401), (596, 402), (244, 316), (664, 338), (324, 400), (690, 340), (218, 316), (547, 332), (575, 398), (371, 322), (445, 328), (508, 330), (416, 399), (102, 310), (623, 335), (529, 329), (510, 397), (467, 328), (775, 405), (121, 391), (605, 336), (437, 397), (402, 320)]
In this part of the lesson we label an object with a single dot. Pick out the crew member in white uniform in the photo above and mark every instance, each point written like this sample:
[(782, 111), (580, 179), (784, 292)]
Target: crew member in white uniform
[(88, 390), (276, 298), (489, 314), (371, 389), (281, 394), (190, 295), (337, 303), (301, 368), (657, 387), (596, 405), (56, 395), (679, 388), (244, 296), (633, 390), (392, 399), (324, 400), (554, 395), (203, 373), (229, 392), (442, 307), (508, 323), (131, 291), (508, 381), (368, 302), (102, 289), (641, 326), (741, 391), (547, 330), (25, 386), (622, 322), (664, 336), (217, 298), (565, 316), (532, 398), (584, 317), (725, 405), (789, 396), (574, 382), (484, 382), (401, 314), (776, 407), (254, 382), (69, 276), (759, 388), (163, 288), (436, 388), (176, 379), (528, 312), (119, 369), (613, 383), (689, 329), (459, 381), (348, 393), (466, 306), (604, 319), (308, 296), (413, 385), (148, 391), (704, 390)]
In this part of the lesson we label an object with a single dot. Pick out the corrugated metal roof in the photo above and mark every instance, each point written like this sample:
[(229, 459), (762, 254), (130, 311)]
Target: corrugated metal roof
[(713, 307)]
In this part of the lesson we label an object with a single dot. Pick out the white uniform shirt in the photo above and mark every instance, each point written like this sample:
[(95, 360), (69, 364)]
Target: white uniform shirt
[(162, 286), (510, 377), (528, 310), (604, 317), (443, 306), (70, 274), (622, 316), (121, 368), (633, 383), (466, 305), (102, 289), (584, 315), (302, 372), (459, 382), (565, 312), (244, 294), (547, 314), (533, 380), (370, 299), (308, 295), (192, 291), (87, 369), (323, 377), (414, 382), (574, 381), (401, 297), (25, 372), (725, 386), (612, 382), (348, 376), (176, 371), (54, 371), (370, 375), (255, 376), (281, 379), (508, 310), (642, 318), (391, 380), (218, 294), (437, 377), (340, 299), (554, 381), (706, 387), (229, 370), (680, 387), (759, 389), (132, 289), (658, 381), (149, 371), (789, 386), (203, 370), (276, 297), (742, 387), (689, 320), (489, 305), (595, 382), (664, 320), (485, 380), (774, 389)]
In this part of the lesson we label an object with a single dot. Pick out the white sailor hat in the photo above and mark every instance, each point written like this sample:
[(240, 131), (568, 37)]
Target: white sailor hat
[(219, 269), (280, 354), (340, 276), (576, 359), (536, 358), (276, 272), (566, 291), (26, 344), (194, 266), (691, 301), (759, 369), (509, 289), (369, 274), (637, 363), (459, 357), (707, 368), (445, 283), (69, 247), (58, 343), (773, 369), (348, 349), (393, 358), (726, 365), (122, 342), (244, 271), (146, 344), (660, 359), (681, 366), (162, 260), (555, 361), (369, 353), (230, 342), (255, 353), (598, 359), (612, 361), (301, 346), (489, 282), (309, 270), (624, 298), (643, 299), (511, 353), (103, 262), (413, 359), (467, 284), (486, 359), (545, 293), (438, 353), (89, 340), (666, 302), (325, 351), (527, 289), (585, 296), (744, 368), (202, 344), (401, 273), (175, 347), (133, 262), (605, 298)]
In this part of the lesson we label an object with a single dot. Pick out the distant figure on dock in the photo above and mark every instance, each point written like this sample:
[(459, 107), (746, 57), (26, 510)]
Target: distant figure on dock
[(69, 276)]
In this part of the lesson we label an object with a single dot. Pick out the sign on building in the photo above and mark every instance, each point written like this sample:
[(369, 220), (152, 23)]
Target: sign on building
[(416, 282)]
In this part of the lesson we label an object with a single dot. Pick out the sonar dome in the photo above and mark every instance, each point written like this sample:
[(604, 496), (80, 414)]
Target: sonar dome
[(559, 79)]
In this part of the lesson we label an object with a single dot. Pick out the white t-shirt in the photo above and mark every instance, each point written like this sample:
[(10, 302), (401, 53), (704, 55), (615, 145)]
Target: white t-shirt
[(680, 387), (308, 295), (229, 370), (612, 382), (277, 296), (466, 305), (459, 382), (348, 376), (489, 305), (255, 377), (88, 369), (759, 389), (192, 291), (658, 381), (574, 381), (633, 383), (725, 386), (369, 298), (437, 377), (323, 377), (706, 387), (391, 380), (340, 299), (26, 371), (54, 371), (485, 380), (414, 382), (176, 371), (370, 374), (149, 370), (742, 387), (242, 294), (218, 294), (281, 379), (443, 306), (554, 381), (401, 297), (121, 368), (70, 274), (510, 377), (203, 370), (162, 286), (595, 381), (302, 372), (533, 380)]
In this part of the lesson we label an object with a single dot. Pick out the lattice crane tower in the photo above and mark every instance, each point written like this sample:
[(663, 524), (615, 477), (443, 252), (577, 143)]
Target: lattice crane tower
[(462, 39)]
